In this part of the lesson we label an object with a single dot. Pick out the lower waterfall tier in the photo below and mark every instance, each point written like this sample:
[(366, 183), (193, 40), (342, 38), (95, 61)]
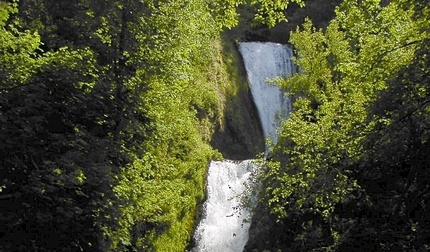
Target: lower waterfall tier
[(224, 226)]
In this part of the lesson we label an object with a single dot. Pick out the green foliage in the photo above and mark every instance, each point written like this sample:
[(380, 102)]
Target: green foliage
[(271, 12), (18, 48), (167, 180), (55, 164), (267, 12), (106, 112), (321, 145), (397, 148)]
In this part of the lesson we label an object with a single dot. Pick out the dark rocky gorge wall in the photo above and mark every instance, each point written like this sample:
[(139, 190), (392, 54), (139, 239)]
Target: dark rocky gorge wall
[(241, 136)]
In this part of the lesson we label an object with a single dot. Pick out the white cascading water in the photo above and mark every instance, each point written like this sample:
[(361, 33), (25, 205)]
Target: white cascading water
[(266, 61), (223, 227)]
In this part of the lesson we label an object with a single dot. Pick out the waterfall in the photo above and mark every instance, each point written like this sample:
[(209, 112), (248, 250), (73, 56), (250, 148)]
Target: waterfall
[(223, 227), (263, 61)]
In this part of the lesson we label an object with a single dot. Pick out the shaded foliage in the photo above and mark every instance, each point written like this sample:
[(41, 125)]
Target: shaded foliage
[(57, 163)]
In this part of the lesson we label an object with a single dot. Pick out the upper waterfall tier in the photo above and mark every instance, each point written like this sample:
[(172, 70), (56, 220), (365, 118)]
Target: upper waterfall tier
[(264, 61)]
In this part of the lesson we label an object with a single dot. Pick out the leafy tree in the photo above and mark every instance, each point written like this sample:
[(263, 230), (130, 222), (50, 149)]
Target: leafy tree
[(317, 162), (18, 48), (395, 164), (55, 163), (64, 117), (267, 12)]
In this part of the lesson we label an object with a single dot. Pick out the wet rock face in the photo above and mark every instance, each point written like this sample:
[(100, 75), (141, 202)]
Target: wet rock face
[(241, 136)]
